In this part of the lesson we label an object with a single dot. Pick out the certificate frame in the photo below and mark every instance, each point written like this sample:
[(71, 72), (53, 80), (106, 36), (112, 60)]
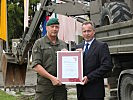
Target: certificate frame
[(62, 75)]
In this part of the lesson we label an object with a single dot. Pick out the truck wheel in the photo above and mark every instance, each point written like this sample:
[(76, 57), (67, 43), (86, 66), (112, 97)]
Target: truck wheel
[(115, 12), (126, 88)]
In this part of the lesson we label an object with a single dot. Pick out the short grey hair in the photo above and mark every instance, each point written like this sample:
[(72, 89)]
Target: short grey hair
[(89, 22)]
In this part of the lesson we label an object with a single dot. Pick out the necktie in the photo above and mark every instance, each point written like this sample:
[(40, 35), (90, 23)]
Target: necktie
[(86, 49)]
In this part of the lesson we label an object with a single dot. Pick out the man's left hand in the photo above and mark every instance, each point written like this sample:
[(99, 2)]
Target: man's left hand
[(85, 80)]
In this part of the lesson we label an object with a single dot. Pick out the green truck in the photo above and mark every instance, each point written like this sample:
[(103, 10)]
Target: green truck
[(119, 37)]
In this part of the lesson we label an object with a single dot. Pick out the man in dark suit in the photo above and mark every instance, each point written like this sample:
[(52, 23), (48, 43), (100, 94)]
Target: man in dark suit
[(96, 63)]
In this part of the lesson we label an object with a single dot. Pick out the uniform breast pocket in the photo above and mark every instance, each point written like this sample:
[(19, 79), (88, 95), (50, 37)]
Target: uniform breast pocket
[(47, 54)]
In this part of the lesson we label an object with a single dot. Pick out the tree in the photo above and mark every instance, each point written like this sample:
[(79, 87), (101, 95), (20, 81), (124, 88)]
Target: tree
[(15, 17)]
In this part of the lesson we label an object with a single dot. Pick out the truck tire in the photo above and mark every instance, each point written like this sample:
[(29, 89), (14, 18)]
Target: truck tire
[(126, 88), (115, 12)]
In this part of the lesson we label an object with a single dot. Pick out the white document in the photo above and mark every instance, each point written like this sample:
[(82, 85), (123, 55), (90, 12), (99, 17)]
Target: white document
[(70, 67)]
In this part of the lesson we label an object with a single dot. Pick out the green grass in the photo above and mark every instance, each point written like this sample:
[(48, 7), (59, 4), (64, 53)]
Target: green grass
[(5, 96)]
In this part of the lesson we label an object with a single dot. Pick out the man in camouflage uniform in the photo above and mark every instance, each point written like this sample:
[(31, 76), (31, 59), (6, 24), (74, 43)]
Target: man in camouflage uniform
[(44, 62)]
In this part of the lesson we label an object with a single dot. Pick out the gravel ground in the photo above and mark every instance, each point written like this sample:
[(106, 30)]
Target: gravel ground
[(72, 93)]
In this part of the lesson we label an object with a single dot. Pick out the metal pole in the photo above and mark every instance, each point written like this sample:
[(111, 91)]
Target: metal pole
[(1, 50), (28, 64), (7, 46)]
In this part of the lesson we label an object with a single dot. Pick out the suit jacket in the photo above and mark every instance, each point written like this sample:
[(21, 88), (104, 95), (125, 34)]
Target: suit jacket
[(96, 64)]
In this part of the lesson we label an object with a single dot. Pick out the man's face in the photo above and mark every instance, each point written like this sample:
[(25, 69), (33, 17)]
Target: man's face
[(88, 32), (52, 30)]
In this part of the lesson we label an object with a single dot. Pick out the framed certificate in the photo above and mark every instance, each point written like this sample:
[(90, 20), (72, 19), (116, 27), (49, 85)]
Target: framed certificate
[(70, 67)]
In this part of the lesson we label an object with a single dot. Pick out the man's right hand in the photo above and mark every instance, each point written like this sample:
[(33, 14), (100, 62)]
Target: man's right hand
[(39, 69), (55, 81)]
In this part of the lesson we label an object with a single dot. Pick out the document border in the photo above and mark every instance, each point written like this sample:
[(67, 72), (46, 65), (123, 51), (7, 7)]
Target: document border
[(78, 80)]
